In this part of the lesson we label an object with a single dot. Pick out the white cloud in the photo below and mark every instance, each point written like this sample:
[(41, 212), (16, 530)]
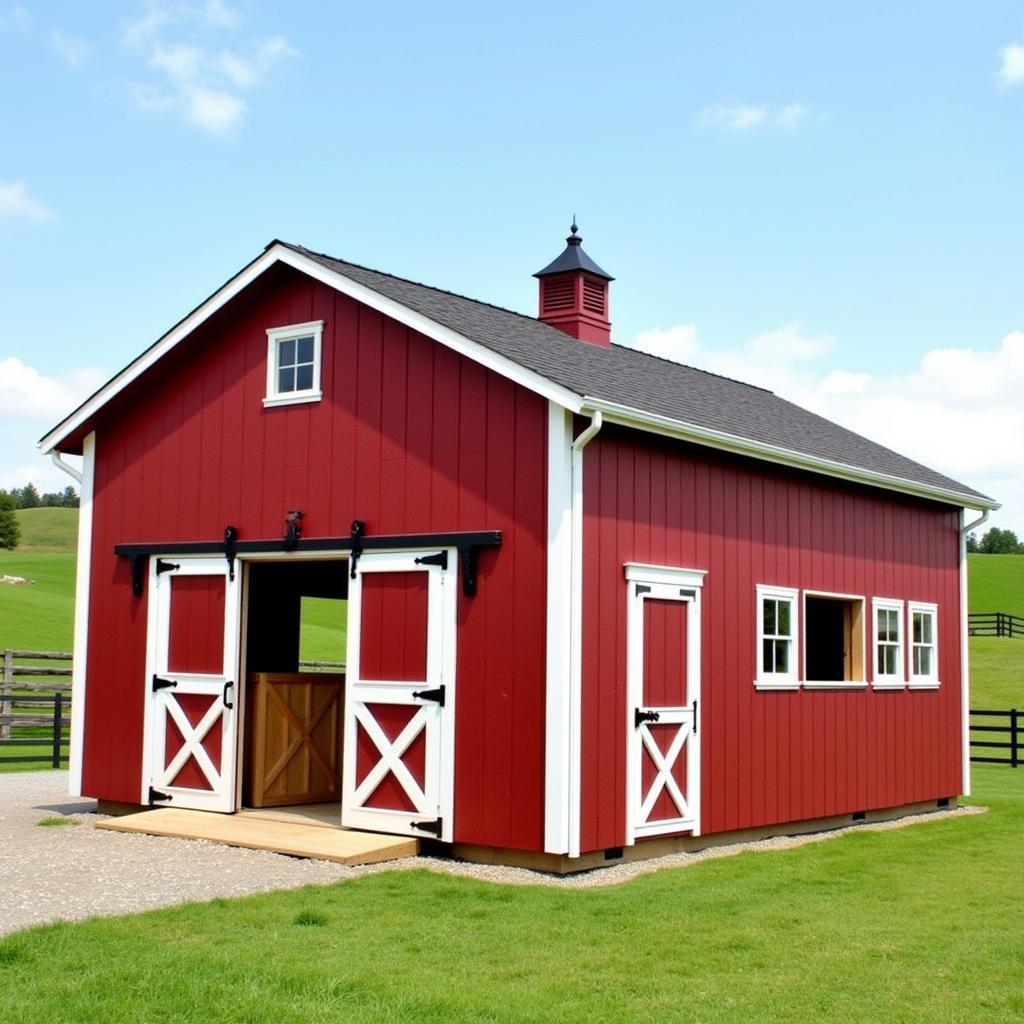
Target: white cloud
[(15, 201), (28, 395), (14, 16), (199, 81), (736, 118), (1011, 64), (959, 411), (70, 49)]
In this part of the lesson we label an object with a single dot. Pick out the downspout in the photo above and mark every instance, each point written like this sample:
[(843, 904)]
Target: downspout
[(576, 632), (965, 688), (61, 464)]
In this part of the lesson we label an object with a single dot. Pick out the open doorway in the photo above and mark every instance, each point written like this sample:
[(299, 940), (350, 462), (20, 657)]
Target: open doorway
[(295, 658)]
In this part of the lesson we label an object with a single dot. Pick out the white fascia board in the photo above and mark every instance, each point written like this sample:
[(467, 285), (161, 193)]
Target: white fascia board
[(667, 427), (278, 253)]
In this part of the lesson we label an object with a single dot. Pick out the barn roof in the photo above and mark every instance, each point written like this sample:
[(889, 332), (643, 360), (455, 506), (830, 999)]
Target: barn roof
[(625, 385)]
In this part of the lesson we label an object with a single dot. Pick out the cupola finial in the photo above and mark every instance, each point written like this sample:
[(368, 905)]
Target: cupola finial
[(574, 238)]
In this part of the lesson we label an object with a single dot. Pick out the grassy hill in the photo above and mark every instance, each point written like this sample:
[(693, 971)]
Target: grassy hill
[(48, 529), (997, 583)]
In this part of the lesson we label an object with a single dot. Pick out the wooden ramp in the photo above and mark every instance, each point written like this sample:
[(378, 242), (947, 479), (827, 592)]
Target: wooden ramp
[(297, 839)]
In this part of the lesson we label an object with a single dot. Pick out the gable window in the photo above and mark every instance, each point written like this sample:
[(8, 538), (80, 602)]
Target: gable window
[(776, 637), (889, 669), (924, 653), (293, 363), (833, 640)]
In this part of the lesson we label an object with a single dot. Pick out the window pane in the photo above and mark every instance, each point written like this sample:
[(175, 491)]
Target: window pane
[(781, 655), (305, 350), (286, 379), (286, 353), (303, 378), (769, 617), (890, 661), (881, 661), (926, 628), (925, 661), (784, 610), (767, 661)]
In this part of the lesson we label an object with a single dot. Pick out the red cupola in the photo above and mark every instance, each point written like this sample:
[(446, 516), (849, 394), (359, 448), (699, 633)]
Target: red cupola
[(574, 294)]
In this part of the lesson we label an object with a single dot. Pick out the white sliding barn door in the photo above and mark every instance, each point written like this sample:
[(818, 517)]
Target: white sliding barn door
[(193, 685), (399, 735), (663, 684)]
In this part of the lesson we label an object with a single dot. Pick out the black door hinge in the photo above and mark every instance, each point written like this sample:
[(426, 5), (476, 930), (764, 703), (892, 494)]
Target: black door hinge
[(639, 717), (437, 696), (164, 566), (163, 684), (441, 559), (642, 588), (433, 827), (694, 718), (157, 796)]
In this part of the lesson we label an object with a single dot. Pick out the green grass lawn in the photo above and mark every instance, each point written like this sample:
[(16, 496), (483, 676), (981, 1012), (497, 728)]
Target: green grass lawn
[(997, 583), (922, 924)]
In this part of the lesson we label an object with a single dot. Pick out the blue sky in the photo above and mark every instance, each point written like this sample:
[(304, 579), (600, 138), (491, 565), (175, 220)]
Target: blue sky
[(824, 198)]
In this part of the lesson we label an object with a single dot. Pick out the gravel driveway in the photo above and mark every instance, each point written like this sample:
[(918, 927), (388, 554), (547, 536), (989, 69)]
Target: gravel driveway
[(73, 871)]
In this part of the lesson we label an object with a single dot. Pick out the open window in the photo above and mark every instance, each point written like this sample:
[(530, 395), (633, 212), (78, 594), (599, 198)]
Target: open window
[(889, 670), (293, 363), (776, 638), (833, 640), (924, 651)]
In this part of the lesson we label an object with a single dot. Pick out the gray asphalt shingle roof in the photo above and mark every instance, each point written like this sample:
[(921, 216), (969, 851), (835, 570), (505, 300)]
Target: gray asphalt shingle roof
[(644, 382)]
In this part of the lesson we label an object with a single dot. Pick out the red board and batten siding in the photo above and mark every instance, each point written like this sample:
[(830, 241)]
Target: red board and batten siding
[(411, 438), (767, 757)]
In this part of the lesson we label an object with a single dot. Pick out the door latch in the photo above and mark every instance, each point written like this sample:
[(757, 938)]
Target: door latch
[(639, 717)]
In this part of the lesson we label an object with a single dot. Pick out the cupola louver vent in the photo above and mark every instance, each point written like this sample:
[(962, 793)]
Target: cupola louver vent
[(593, 295), (558, 293)]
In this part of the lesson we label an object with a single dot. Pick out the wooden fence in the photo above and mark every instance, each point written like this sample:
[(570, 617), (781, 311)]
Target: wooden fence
[(994, 624), (1007, 726), (35, 706)]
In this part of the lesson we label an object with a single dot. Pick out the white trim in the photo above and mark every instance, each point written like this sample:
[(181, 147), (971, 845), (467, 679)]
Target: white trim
[(777, 680), (292, 332), (965, 665), (76, 755), (930, 681), (835, 684), (652, 423), (558, 733), (664, 583), (279, 253), (665, 574), (576, 635), (885, 681)]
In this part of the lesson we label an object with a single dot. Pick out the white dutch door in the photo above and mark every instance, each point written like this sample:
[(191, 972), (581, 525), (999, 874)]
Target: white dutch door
[(192, 685), (663, 684), (399, 738)]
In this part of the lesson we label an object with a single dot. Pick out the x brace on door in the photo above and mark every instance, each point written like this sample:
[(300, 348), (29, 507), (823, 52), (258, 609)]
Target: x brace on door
[(664, 763), (391, 758), (193, 743)]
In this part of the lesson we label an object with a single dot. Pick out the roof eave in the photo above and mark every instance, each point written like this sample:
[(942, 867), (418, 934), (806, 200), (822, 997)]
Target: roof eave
[(281, 252), (628, 416)]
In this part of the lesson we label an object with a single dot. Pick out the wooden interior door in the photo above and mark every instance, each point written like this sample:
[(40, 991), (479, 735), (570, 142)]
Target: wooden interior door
[(663, 682), (193, 723), (398, 751)]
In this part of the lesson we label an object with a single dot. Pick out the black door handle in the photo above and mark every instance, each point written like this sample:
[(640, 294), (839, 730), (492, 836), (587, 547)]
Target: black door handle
[(224, 695)]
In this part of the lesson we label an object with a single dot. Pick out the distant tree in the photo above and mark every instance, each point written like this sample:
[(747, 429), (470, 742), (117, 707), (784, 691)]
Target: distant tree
[(69, 498), (50, 500), (1000, 542), (972, 543), (14, 495), (29, 496), (10, 532)]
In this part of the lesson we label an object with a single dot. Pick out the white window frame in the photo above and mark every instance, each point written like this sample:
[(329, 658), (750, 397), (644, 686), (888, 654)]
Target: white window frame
[(930, 681), (778, 680), (834, 684), (275, 335), (899, 680)]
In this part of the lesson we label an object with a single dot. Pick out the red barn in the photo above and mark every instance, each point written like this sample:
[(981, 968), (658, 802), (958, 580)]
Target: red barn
[(593, 598)]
